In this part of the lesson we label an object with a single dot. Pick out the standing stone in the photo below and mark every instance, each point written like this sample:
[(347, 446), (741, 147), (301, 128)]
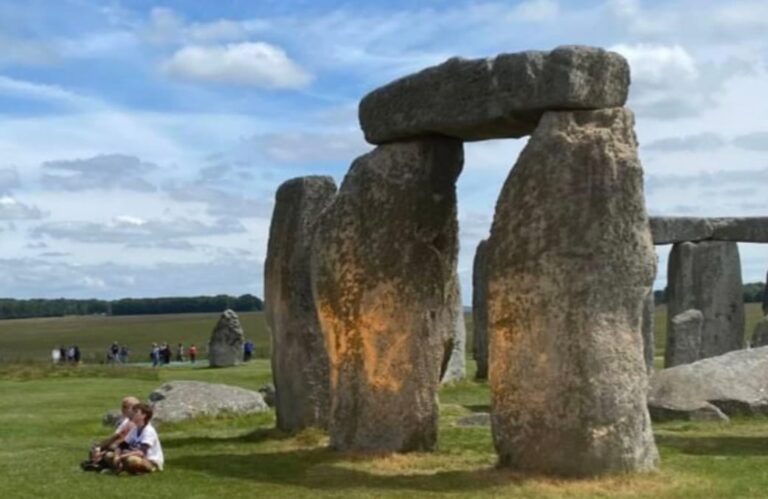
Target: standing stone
[(684, 338), (649, 326), (300, 367), (760, 335), (383, 268), (455, 360), (570, 259), (225, 348), (707, 276), (480, 310)]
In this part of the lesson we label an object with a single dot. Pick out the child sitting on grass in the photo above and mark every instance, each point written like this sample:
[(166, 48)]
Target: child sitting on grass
[(101, 452), (144, 453)]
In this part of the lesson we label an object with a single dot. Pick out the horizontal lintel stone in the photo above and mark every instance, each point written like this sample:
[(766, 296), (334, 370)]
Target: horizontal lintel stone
[(670, 230)]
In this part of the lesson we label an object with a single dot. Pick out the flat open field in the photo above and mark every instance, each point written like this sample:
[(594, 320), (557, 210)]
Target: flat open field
[(49, 416), (33, 339)]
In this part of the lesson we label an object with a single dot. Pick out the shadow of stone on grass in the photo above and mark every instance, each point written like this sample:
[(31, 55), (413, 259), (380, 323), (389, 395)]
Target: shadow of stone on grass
[(256, 436), (716, 446), (324, 469)]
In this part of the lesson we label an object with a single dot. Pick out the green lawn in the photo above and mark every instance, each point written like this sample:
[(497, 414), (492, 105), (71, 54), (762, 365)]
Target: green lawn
[(47, 422)]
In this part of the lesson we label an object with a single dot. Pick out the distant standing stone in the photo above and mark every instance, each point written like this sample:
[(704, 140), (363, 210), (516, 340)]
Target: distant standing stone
[(480, 311), (570, 260), (456, 358), (383, 263), (649, 326), (225, 347), (707, 276), (765, 296), (760, 335), (684, 338), (299, 359)]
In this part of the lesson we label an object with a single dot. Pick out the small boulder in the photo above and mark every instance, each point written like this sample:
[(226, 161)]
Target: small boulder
[(735, 383), (268, 392), (181, 400)]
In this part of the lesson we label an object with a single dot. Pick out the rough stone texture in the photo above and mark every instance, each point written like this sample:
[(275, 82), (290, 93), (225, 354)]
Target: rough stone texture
[(480, 311), (475, 419), (498, 97), (180, 400), (383, 263), (455, 360), (225, 348), (736, 383), (684, 338), (760, 334), (648, 329), (570, 259), (300, 367), (668, 230), (707, 276), (269, 393), (112, 418)]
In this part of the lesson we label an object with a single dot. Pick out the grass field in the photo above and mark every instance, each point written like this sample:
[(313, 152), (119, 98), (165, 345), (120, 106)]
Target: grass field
[(48, 419), (33, 339)]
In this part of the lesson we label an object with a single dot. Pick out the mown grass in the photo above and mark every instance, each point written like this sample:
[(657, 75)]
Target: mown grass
[(47, 422)]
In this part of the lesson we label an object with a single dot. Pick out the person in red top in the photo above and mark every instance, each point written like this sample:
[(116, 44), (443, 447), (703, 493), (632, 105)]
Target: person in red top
[(192, 352)]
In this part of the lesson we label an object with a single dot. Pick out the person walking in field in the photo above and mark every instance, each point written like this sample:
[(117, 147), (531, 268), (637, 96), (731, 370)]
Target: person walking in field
[(155, 355), (180, 353), (192, 353), (56, 355), (247, 351)]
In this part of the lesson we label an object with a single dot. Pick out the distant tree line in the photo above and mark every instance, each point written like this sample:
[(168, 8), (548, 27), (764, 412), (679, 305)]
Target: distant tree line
[(18, 309), (753, 293)]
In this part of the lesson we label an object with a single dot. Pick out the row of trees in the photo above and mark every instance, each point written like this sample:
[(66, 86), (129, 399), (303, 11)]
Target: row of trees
[(18, 309), (753, 293)]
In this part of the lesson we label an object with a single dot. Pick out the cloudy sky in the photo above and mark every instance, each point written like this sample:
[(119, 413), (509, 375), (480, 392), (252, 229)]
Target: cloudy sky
[(142, 142)]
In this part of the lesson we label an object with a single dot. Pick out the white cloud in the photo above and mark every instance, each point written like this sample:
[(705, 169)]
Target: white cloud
[(536, 10), (256, 64), (22, 89), (9, 180), (166, 26), (12, 209), (316, 147), (105, 171)]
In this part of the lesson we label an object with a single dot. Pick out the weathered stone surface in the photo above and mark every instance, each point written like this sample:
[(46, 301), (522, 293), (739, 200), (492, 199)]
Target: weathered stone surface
[(300, 367), (760, 334), (112, 418), (736, 383), (703, 411), (503, 96), (180, 400), (743, 229), (669, 230), (648, 329), (707, 276), (455, 361), (475, 419), (382, 275), (269, 393), (570, 259), (225, 348), (684, 338), (480, 311)]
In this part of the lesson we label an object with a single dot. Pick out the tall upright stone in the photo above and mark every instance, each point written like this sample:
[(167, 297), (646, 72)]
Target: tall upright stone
[(225, 348), (383, 266), (570, 259), (707, 276), (684, 338), (649, 326), (455, 360), (480, 310), (300, 367)]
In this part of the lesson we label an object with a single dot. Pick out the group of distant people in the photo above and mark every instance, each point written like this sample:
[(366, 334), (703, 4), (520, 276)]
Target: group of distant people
[(133, 447), (66, 355), (161, 354), (117, 354)]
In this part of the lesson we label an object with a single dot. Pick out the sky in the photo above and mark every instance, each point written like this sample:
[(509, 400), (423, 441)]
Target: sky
[(141, 143)]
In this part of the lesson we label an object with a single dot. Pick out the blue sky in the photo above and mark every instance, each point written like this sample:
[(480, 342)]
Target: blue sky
[(143, 142)]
